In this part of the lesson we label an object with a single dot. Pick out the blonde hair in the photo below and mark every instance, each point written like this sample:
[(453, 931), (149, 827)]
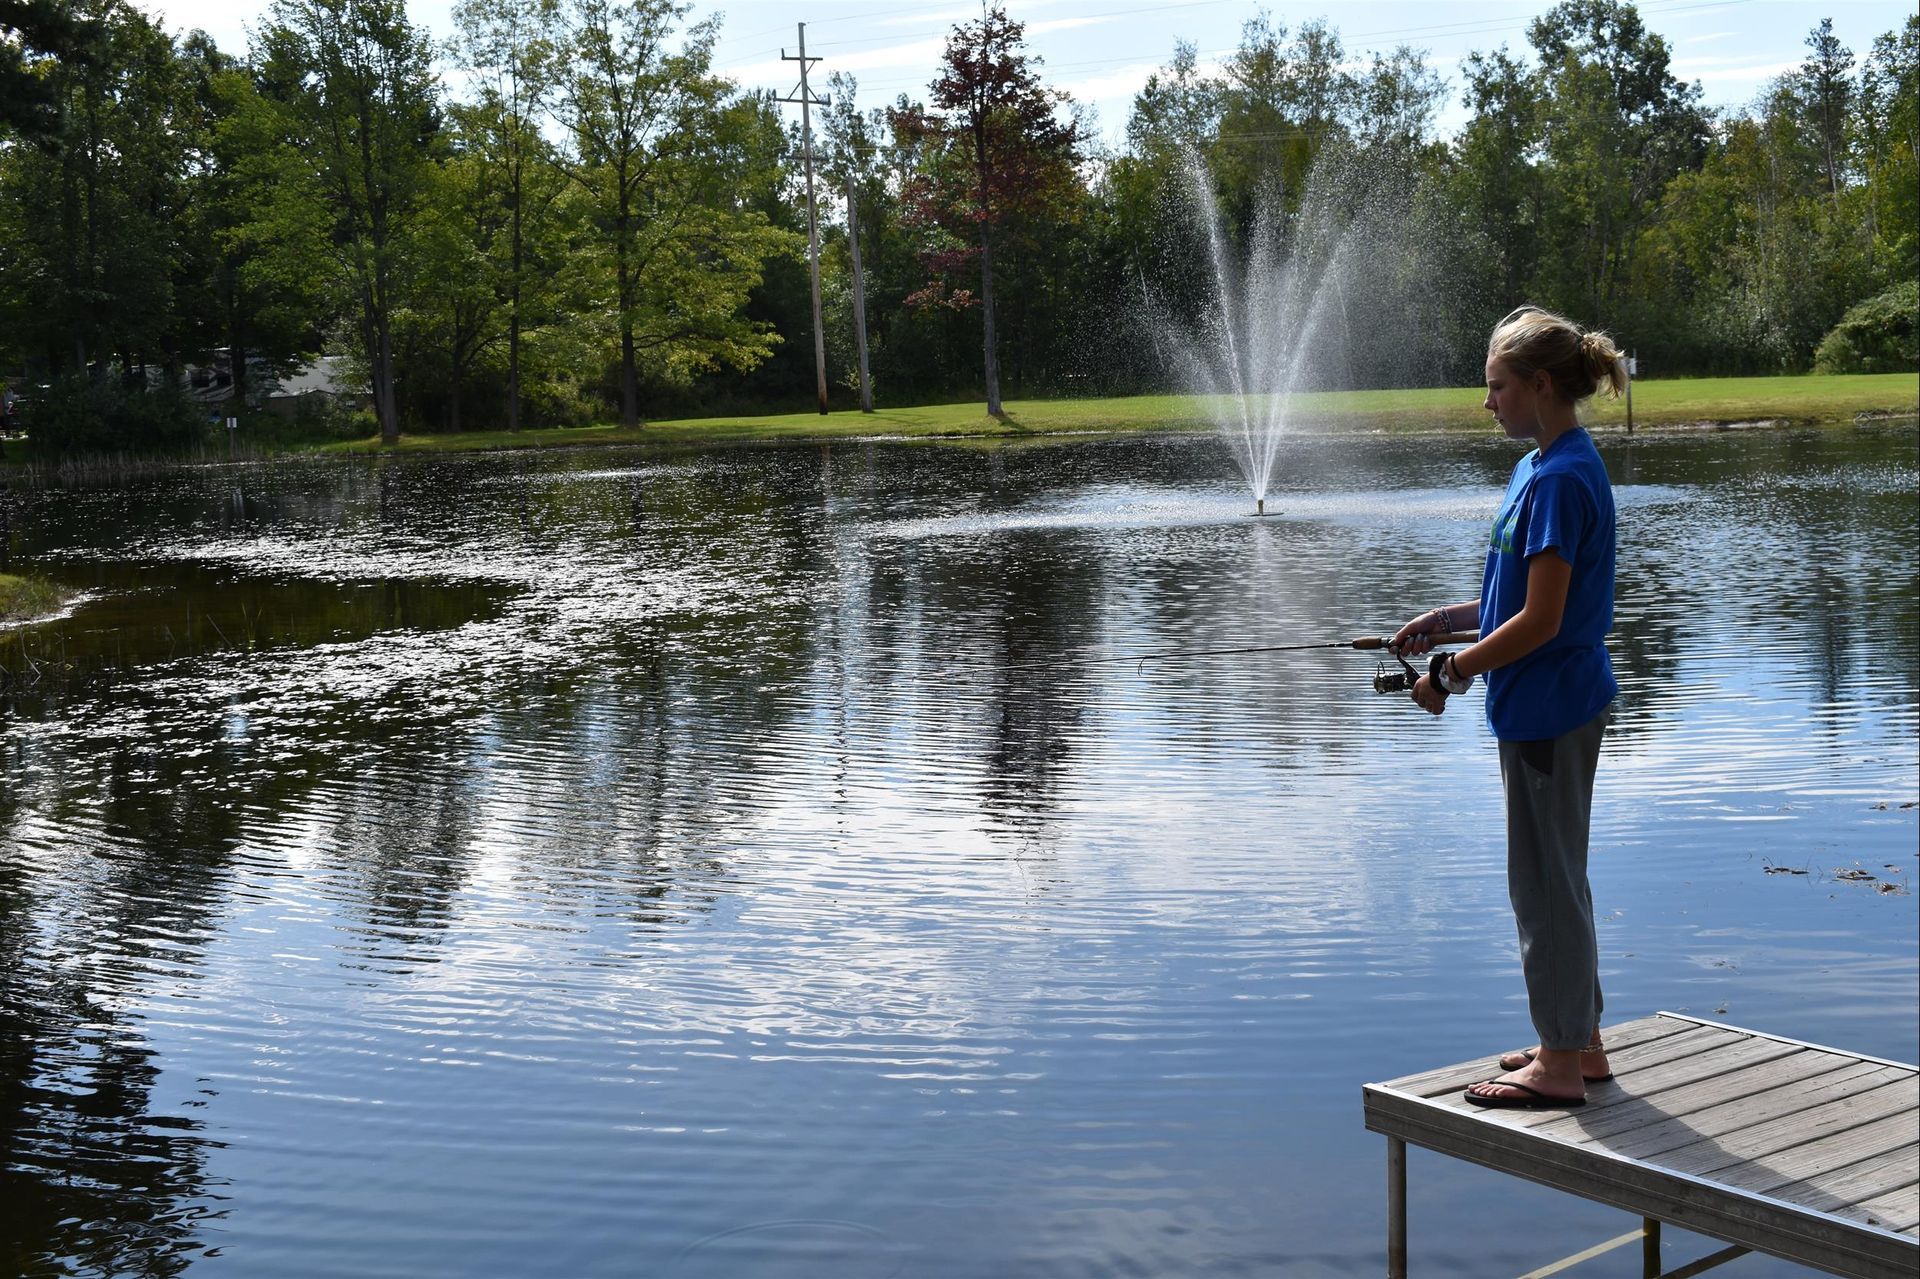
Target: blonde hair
[(1532, 340)]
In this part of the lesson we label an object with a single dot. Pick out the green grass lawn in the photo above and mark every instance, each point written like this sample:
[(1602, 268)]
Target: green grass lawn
[(1670, 403)]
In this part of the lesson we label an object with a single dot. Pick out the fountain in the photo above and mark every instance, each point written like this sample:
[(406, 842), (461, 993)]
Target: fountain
[(1277, 318)]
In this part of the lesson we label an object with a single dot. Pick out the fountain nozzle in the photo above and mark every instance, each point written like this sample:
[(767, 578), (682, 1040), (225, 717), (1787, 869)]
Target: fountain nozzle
[(1259, 506)]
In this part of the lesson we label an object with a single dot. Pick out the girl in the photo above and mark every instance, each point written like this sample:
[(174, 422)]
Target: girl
[(1545, 605)]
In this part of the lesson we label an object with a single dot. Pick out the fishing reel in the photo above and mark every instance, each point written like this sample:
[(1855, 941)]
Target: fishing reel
[(1388, 680)]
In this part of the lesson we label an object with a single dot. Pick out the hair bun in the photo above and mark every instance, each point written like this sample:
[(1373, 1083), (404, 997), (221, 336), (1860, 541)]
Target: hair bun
[(1607, 362)]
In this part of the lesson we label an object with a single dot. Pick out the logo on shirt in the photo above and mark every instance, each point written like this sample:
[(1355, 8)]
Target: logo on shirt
[(1503, 527)]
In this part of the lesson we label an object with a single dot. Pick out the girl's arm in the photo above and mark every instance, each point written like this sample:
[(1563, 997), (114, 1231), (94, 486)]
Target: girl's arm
[(1412, 640), (1538, 620)]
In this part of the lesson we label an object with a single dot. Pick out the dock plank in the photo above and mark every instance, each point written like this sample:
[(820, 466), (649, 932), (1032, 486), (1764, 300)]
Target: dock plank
[(1711, 1106), (1854, 1184), (1837, 1133), (1790, 1127), (1898, 1210)]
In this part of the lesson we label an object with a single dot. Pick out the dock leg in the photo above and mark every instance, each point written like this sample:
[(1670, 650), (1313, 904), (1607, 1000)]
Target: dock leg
[(1650, 1248), (1397, 1208)]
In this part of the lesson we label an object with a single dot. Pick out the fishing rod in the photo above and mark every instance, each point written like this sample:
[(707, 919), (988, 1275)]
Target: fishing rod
[(1385, 678)]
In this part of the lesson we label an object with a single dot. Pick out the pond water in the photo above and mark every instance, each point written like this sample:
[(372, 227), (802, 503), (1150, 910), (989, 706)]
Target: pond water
[(745, 863)]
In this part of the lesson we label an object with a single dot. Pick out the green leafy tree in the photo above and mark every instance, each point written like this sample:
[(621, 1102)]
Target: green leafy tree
[(34, 36), (1394, 101), (259, 305), (1888, 142), (661, 152), (353, 106), (502, 44), (1496, 181), (444, 331), (1826, 77), (95, 201), (1616, 127)]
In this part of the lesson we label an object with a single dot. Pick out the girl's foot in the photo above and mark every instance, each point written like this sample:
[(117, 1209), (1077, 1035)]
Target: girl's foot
[(1594, 1067), (1551, 1081)]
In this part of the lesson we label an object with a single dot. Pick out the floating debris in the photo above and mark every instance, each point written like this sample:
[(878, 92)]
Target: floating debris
[(1855, 874), (1785, 870), (1890, 890)]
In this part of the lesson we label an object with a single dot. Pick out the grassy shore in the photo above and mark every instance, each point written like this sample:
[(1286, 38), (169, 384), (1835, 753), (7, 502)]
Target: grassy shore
[(1687, 402), (22, 599)]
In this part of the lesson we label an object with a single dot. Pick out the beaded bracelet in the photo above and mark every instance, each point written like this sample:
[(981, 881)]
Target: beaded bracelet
[(1446, 620)]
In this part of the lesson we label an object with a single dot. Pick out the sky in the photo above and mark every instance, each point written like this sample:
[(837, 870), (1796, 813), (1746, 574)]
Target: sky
[(1102, 51)]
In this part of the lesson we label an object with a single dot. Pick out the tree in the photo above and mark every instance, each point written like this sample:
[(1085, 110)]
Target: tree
[(1496, 182), (1393, 102), (1616, 127), (1826, 75), (997, 155), (1888, 130), (353, 99), (503, 48), (94, 198), (34, 33), (661, 152), (258, 305)]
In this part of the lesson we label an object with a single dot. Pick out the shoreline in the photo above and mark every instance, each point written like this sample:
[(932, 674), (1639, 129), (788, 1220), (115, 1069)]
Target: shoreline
[(1678, 406), (26, 600), (1682, 405)]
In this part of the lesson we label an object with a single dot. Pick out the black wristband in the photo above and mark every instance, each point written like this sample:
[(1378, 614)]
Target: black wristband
[(1458, 683), (1434, 678)]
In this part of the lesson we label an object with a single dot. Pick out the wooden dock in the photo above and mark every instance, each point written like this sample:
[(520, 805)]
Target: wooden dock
[(1767, 1143)]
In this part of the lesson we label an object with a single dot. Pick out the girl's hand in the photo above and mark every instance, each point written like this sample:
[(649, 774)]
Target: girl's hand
[(1429, 697), (1411, 639)]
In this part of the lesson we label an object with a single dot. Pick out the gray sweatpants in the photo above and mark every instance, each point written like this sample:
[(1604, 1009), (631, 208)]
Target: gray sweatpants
[(1549, 788)]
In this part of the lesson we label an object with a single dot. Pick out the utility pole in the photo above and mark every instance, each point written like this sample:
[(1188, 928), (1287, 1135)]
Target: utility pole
[(804, 96), (859, 295)]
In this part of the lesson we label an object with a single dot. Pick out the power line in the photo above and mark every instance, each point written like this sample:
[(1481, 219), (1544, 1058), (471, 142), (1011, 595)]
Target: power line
[(1467, 27)]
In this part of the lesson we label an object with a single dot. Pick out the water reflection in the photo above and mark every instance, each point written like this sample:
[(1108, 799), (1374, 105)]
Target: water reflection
[(735, 859)]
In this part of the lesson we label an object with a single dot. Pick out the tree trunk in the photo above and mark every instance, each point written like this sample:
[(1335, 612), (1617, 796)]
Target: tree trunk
[(453, 400), (513, 363), (385, 404), (624, 290), (986, 325), (629, 379), (513, 304), (237, 368)]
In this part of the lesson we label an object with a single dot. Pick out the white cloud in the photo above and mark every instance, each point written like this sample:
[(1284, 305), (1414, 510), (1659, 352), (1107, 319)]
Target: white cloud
[(1743, 73), (918, 55), (965, 13), (1122, 83), (1067, 24)]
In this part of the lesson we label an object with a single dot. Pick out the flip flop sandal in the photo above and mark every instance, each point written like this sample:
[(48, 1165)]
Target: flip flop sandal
[(1530, 1098), (1526, 1059)]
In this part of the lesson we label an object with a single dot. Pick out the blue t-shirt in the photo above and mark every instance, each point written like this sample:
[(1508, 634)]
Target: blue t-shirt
[(1562, 501)]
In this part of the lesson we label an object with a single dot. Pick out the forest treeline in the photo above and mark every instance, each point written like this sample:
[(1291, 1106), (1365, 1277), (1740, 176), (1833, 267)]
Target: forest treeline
[(566, 214)]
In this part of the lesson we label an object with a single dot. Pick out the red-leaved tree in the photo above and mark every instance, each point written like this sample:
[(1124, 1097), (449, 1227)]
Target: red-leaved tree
[(991, 155)]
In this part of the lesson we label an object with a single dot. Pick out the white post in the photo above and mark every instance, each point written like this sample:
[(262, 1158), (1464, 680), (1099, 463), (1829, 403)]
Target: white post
[(1633, 367)]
